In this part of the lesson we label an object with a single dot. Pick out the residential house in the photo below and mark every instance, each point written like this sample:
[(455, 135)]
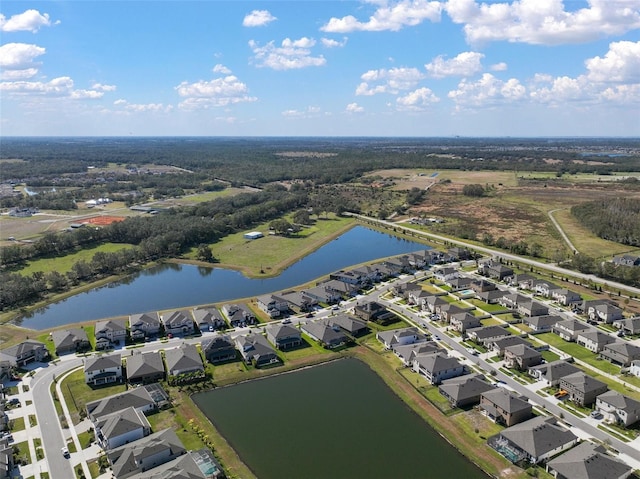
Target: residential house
[(327, 335), (569, 329), (531, 307), (432, 303), (193, 465), (110, 331), (7, 462), (272, 304), (601, 310), (26, 352), (541, 324), (565, 297), (350, 325), (344, 290), (594, 340), (178, 323), (218, 348), (626, 260), (522, 281), (300, 301), (446, 273), (371, 273), (238, 315), (629, 325), (208, 319), (464, 391), (461, 322), (145, 367), (499, 345), (145, 454), (408, 352), (482, 285), (504, 407), (459, 254), (634, 369), (283, 336), (121, 427), (70, 341), (494, 269), (588, 461), (622, 353), (521, 357), (373, 311), (582, 389), (326, 293), (405, 289), (552, 372), (533, 441), (512, 300), (460, 283), (448, 310), (491, 297), (420, 259), (139, 398), (401, 336), (183, 360), (400, 264), (618, 408), (487, 334), (350, 277), (256, 350), (437, 367), (100, 370), (544, 288), (145, 325)]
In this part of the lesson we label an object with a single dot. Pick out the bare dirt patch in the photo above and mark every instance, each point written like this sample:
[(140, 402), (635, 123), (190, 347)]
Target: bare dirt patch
[(102, 220)]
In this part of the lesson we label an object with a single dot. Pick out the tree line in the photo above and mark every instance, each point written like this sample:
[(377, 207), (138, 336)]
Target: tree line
[(613, 219)]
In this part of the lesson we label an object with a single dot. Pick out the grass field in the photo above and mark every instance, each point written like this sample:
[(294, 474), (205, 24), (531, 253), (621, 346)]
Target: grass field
[(77, 393), (63, 264)]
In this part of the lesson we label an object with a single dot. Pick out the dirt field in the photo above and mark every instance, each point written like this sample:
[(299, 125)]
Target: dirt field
[(102, 220)]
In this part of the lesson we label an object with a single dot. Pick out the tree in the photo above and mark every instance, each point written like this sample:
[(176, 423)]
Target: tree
[(302, 217), (473, 190), (204, 253), (281, 226)]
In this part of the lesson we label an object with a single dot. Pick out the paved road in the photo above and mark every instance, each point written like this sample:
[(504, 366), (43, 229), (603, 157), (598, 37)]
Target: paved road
[(501, 254)]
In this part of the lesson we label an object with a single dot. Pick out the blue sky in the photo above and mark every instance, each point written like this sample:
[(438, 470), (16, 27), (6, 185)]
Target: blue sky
[(320, 68)]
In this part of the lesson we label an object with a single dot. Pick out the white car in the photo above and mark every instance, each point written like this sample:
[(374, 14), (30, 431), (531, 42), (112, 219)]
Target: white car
[(65, 451)]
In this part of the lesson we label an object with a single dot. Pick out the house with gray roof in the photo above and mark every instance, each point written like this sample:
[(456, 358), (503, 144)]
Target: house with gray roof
[(594, 340), (183, 359), (218, 348), (569, 329), (402, 336), (522, 281), (582, 389), (618, 408), (533, 441), (494, 269), (487, 334), (448, 310), (552, 372), (628, 325), (326, 293), (446, 273), (626, 260), (408, 352), (145, 325), (541, 324), (6, 458), (273, 304), (100, 370), (139, 398), (70, 341), (464, 390), (178, 323), (432, 303), (26, 352), (505, 407), (565, 297), (621, 352), (199, 464), (283, 336), (492, 296), (145, 454), (145, 367), (521, 357), (121, 427), (256, 350), (405, 289), (112, 331), (238, 315), (349, 324), (208, 319), (604, 311), (532, 307), (481, 285), (463, 321), (300, 301), (499, 345), (437, 367), (372, 311), (460, 283), (326, 334), (588, 461)]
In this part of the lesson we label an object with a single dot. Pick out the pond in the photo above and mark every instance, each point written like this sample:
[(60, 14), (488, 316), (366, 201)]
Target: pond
[(338, 420), (177, 286)]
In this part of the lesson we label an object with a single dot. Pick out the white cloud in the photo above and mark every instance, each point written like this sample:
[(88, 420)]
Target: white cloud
[(487, 91), (560, 90), (258, 18), (620, 64), (218, 92), (417, 100), (309, 112), (219, 68), (61, 87), (354, 108), (143, 107), (392, 81), (101, 87), (498, 67), (331, 43), (543, 21), (465, 64), (30, 21), (17, 60), (292, 54), (388, 17)]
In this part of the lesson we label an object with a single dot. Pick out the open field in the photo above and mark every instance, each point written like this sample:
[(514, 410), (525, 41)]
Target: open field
[(190, 200)]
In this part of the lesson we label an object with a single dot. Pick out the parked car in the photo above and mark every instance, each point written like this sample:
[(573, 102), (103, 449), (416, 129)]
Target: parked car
[(596, 415), (65, 451)]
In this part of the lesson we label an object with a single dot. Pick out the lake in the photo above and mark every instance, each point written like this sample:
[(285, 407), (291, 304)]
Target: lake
[(172, 286), (338, 420)]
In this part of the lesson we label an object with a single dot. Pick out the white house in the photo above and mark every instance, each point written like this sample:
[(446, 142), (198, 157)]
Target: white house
[(100, 370)]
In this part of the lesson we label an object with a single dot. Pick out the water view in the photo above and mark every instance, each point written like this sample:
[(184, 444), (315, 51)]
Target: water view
[(177, 286), (337, 420)]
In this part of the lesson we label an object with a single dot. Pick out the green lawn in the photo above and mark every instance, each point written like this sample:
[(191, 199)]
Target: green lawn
[(63, 264), (23, 452), (18, 424), (168, 418), (490, 322), (86, 439), (77, 393), (489, 308)]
